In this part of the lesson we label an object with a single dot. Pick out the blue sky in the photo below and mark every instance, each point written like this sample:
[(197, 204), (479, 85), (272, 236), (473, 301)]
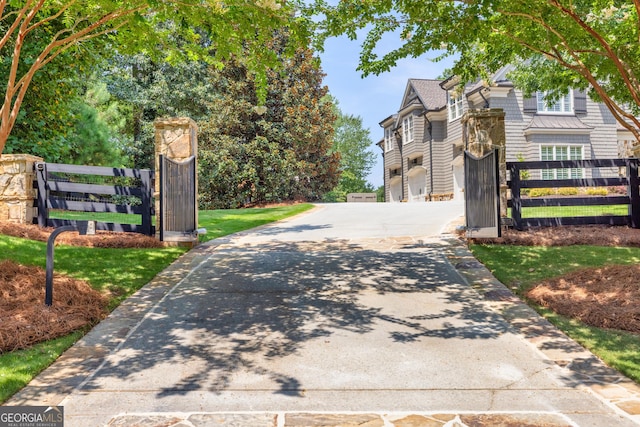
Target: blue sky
[(373, 98)]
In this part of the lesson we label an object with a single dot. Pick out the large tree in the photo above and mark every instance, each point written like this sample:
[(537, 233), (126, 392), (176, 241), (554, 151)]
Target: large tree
[(235, 26), (155, 89), (557, 44), (352, 142), (280, 151)]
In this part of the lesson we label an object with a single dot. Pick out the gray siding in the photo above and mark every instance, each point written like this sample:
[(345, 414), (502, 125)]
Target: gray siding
[(442, 157), (598, 138), (454, 131), (443, 173), (604, 136), (514, 123)]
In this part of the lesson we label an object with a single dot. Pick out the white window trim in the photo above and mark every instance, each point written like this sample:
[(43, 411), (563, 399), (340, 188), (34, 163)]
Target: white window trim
[(455, 107), (388, 139), (570, 172), (543, 108), (407, 129)]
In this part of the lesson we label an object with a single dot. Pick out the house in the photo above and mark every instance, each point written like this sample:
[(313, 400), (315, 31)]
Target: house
[(423, 142)]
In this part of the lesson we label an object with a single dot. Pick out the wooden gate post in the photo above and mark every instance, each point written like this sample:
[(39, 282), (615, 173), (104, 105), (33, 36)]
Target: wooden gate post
[(633, 192), (484, 131), (176, 139)]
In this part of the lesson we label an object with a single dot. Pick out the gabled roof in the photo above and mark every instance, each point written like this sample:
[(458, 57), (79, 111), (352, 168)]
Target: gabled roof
[(499, 78), (428, 92), (389, 118)]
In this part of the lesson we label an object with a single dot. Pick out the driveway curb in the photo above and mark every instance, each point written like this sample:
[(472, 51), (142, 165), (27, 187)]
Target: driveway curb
[(582, 366)]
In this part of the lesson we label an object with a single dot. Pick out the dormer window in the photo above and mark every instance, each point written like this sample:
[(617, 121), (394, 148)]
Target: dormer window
[(455, 106), (407, 129), (388, 139), (563, 105)]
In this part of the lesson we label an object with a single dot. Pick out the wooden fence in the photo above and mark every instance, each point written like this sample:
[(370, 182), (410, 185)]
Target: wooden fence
[(627, 179), (65, 187)]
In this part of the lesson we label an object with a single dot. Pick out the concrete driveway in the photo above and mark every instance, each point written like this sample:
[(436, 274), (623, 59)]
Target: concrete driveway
[(351, 314)]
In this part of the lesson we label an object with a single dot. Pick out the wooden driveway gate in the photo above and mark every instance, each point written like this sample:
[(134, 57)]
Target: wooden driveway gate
[(482, 194), (178, 190)]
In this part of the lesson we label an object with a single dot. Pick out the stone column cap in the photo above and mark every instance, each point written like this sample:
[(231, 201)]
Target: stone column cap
[(18, 157), (174, 121)]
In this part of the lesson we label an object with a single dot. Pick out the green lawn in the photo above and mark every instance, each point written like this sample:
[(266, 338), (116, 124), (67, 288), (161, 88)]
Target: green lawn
[(227, 221), (119, 218), (569, 211), (122, 271), (520, 267)]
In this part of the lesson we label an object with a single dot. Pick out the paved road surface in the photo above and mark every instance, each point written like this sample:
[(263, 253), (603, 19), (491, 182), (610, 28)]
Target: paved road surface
[(352, 314)]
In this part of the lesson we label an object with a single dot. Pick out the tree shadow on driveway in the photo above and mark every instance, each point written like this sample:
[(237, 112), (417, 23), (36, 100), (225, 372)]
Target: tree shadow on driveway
[(238, 318)]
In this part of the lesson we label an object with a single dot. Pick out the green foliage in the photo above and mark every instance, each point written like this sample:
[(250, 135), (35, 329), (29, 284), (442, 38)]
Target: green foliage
[(91, 133), (59, 119), (335, 196), (555, 45), (166, 31), (524, 174), (351, 142), (541, 192), (50, 109), (569, 211), (521, 267), (151, 90), (597, 191), (567, 191), (90, 143), (251, 154)]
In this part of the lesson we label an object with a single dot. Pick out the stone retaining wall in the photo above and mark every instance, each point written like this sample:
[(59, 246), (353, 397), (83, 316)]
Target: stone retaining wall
[(17, 194)]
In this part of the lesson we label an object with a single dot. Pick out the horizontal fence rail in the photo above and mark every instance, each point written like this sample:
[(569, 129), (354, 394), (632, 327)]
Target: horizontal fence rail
[(95, 189), (593, 174)]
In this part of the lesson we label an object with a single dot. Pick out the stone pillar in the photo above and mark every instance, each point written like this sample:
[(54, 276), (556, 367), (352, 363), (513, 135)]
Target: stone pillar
[(176, 138), (17, 194), (484, 131)]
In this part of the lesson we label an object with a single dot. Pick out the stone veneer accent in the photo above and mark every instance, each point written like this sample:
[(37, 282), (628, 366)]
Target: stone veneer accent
[(17, 194)]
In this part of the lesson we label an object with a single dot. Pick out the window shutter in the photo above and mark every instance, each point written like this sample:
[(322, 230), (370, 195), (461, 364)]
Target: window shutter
[(530, 105), (579, 101)]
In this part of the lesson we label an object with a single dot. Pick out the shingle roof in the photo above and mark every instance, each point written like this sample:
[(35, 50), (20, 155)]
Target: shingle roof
[(433, 97)]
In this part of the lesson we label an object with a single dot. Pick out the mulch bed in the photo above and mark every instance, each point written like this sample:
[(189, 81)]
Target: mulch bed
[(102, 239), (604, 297), (568, 235), (25, 319), (607, 297)]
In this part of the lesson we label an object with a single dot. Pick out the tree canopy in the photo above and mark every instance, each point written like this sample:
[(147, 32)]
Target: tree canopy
[(280, 151), (352, 142), (34, 33), (555, 44)]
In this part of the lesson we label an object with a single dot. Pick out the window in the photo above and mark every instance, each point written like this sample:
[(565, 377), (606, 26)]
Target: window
[(407, 129), (561, 152), (455, 107), (388, 139), (562, 106)]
